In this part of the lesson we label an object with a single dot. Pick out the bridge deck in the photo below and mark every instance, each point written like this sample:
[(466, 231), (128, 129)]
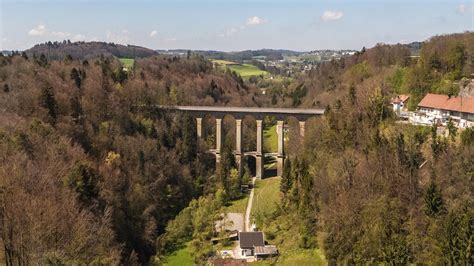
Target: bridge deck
[(249, 109), (246, 110)]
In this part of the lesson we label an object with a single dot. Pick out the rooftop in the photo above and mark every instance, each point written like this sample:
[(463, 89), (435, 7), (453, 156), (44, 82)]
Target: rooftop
[(444, 102), (400, 98), (250, 239), (266, 250)]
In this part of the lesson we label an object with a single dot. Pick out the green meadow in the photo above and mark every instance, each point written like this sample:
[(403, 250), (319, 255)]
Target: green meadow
[(247, 70), (244, 70), (127, 62), (181, 257)]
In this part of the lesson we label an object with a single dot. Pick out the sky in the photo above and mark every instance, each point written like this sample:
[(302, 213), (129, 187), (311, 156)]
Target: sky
[(232, 25)]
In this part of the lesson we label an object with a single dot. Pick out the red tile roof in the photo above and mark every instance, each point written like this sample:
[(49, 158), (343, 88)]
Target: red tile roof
[(444, 102), (400, 98)]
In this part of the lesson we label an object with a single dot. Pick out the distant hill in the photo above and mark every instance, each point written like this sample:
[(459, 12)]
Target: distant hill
[(6, 52), (84, 50), (269, 54), (414, 47)]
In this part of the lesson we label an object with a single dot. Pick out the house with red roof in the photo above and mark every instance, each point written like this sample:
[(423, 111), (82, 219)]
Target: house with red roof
[(399, 102), (443, 106)]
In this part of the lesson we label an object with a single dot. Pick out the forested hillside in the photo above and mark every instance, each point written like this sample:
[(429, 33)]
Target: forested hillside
[(368, 190), (91, 173), (87, 50), (443, 66), (87, 175)]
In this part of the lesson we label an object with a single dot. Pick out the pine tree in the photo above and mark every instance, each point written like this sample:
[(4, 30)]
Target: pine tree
[(452, 129), (226, 164), (295, 190), (286, 182), (75, 75), (457, 236), (434, 204), (84, 181), (352, 94), (42, 61), (189, 148), (48, 101)]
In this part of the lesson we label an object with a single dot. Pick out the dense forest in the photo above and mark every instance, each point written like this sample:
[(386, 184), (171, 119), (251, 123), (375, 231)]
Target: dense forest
[(86, 50), (91, 173), (95, 176), (444, 65)]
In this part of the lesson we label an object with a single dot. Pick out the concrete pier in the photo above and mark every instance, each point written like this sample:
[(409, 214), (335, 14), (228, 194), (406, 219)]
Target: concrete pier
[(259, 113)]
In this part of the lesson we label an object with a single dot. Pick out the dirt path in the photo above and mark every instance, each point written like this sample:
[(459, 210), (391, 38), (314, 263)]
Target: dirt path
[(247, 223)]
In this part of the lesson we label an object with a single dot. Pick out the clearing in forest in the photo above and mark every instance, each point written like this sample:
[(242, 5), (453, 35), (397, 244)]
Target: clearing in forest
[(127, 62)]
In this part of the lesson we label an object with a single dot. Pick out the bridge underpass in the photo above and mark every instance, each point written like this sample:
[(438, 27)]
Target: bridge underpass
[(281, 114)]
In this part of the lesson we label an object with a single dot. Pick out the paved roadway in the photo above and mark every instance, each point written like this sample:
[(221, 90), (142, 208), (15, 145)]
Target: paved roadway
[(248, 211)]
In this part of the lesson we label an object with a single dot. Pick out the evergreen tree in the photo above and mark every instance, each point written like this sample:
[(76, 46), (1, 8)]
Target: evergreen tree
[(76, 77), (452, 129), (84, 181), (456, 238), (467, 136), (286, 182), (189, 147), (42, 61), (434, 204), (48, 101), (352, 94), (68, 58), (226, 164), (295, 190)]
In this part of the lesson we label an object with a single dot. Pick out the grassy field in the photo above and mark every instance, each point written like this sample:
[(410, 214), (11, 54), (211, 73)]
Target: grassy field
[(223, 62), (266, 198), (180, 257), (244, 70), (127, 62), (280, 231), (247, 70), (270, 139), (238, 205)]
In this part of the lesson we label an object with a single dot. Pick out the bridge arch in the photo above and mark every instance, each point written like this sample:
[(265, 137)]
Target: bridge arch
[(239, 114)]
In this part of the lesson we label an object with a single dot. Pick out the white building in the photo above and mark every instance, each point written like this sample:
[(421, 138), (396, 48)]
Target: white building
[(399, 103), (442, 107)]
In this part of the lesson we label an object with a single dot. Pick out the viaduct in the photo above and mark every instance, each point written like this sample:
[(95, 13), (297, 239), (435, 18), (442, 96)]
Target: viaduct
[(239, 113)]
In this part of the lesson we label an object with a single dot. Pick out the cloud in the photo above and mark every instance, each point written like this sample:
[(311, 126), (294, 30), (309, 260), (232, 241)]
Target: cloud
[(253, 21), (153, 33), (60, 34), (464, 9), (120, 38), (78, 37), (39, 30), (331, 15), (229, 32), (250, 22)]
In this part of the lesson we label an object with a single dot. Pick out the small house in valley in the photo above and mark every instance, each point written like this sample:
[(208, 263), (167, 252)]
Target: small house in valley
[(399, 103), (251, 244)]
